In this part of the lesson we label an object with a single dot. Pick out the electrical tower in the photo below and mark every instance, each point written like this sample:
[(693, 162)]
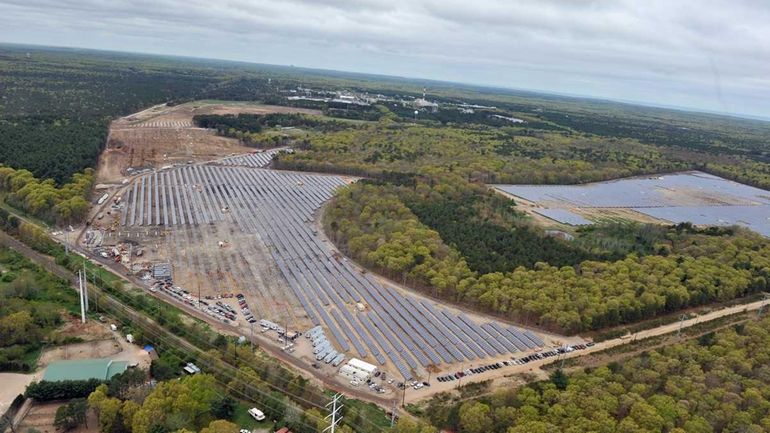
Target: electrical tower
[(336, 406)]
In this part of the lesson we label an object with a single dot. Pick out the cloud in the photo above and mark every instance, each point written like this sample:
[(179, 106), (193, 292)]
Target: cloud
[(708, 54)]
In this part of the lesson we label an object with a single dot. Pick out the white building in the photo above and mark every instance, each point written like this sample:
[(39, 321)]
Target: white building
[(367, 368), (353, 373)]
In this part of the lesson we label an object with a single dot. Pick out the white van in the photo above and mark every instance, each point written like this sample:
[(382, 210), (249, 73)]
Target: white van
[(256, 414)]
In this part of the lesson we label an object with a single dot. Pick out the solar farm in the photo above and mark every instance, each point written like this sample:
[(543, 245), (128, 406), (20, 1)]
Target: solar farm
[(694, 196), (232, 226)]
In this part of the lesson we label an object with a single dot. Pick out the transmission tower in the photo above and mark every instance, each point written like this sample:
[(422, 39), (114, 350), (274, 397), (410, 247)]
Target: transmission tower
[(336, 406)]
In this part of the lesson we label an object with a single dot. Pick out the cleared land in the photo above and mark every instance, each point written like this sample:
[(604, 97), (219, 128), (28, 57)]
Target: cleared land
[(208, 209), (163, 135), (696, 197), (239, 229), (270, 214)]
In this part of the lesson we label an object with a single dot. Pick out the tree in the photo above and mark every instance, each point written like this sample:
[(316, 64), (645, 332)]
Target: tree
[(121, 383), (475, 418), (223, 407), (70, 415), (220, 426), (559, 379), (17, 328), (275, 406)]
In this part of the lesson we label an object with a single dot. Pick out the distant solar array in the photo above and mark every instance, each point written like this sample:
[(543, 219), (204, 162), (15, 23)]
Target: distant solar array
[(563, 216), (701, 189), (279, 207), (756, 218), (163, 124), (256, 160), (694, 196)]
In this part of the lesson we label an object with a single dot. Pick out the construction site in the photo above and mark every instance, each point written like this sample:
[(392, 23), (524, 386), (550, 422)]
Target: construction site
[(240, 244)]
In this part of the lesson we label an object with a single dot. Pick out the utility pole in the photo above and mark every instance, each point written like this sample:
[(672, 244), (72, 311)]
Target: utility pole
[(66, 242), (393, 414), (85, 284), (761, 310), (96, 292), (251, 340), (336, 406), (82, 301), (681, 325)]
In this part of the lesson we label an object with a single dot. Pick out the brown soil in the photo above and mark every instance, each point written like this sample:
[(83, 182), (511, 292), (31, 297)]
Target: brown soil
[(41, 417), (164, 135)]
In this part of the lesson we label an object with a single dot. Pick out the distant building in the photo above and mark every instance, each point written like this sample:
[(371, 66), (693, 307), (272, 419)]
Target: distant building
[(559, 234), (84, 369), (422, 103)]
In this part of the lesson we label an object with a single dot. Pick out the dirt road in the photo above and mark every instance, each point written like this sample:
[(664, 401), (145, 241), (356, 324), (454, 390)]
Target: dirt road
[(411, 395), (533, 367), (155, 331)]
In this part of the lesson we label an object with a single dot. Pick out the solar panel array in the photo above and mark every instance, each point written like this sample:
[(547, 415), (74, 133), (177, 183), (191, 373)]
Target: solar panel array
[(279, 206), (756, 218), (563, 216), (256, 160), (163, 124), (694, 197)]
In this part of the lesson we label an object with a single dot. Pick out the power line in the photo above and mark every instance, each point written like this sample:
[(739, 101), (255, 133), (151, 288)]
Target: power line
[(333, 415), (232, 370)]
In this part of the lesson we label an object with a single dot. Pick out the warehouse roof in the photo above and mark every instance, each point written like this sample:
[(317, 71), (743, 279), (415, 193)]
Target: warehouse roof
[(84, 369)]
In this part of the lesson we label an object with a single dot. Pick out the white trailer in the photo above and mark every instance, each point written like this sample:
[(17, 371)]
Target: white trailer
[(369, 369), (321, 347), (338, 360), (353, 373), (330, 356)]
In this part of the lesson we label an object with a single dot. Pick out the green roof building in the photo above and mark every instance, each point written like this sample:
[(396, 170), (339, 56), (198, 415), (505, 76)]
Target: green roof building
[(84, 369)]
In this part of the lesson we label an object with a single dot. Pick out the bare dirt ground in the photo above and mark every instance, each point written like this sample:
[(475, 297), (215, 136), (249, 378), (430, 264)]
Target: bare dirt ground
[(41, 417), (13, 385), (100, 342), (593, 214), (162, 135), (88, 331)]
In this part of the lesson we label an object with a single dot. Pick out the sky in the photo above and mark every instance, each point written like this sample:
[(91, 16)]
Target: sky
[(710, 55)]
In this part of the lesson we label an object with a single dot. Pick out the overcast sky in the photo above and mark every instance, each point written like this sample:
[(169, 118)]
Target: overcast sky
[(704, 54)]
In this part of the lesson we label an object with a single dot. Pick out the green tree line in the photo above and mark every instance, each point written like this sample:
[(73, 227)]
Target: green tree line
[(716, 383), (374, 226)]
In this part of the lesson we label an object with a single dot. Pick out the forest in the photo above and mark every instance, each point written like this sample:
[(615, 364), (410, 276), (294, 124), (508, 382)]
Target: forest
[(464, 222), (33, 305), (43, 199), (715, 383), (248, 128), (685, 267)]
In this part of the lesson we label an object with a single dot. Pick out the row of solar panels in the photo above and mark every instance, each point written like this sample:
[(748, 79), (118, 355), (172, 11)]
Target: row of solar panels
[(279, 207), (197, 194), (254, 160), (289, 244)]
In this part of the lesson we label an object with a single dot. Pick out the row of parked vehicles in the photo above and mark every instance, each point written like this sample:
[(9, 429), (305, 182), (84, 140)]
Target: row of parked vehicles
[(167, 286), (514, 361), (245, 308)]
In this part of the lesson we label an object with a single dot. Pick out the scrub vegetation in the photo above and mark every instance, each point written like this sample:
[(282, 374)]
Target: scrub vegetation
[(715, 383)]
